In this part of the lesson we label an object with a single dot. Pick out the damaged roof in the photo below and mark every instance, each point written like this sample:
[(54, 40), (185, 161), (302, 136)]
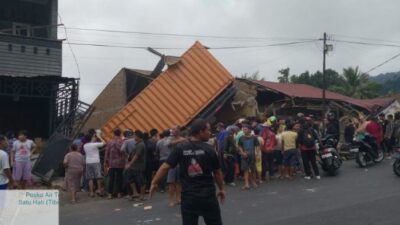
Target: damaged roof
[(310, 92), (176, 96)]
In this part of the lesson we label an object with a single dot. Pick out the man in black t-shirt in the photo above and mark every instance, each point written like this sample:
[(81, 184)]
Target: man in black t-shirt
[(199, 168)]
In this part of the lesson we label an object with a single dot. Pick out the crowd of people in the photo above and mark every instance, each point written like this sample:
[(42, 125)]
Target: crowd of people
[(251, 150)]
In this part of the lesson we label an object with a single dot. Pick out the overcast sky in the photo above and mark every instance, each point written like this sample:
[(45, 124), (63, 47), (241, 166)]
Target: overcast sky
[(276, 21)]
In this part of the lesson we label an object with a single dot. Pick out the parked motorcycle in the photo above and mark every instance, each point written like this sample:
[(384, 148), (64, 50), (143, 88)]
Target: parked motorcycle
[(368, 150), (396, 164), (329, 158)]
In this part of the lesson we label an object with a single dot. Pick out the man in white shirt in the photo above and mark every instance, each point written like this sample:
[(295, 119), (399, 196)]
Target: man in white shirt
[(5, 172)]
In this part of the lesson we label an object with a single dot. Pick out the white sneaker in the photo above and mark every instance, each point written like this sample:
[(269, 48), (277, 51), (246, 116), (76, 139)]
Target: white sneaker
[(318, 177), (307, 177)]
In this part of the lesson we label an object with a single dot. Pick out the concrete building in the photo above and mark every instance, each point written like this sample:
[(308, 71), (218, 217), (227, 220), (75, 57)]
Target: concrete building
[(34, 94)]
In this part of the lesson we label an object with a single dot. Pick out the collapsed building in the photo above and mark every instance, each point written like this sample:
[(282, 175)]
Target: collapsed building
[(196, 85), (255, 98)]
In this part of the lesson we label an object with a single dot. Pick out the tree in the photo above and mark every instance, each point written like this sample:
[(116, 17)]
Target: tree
[(285, 75), (357, 84), (316, 79), (253, 76)]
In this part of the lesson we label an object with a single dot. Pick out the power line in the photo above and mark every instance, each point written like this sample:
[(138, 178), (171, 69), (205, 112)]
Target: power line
[(70, 47), (185, 35), (365, 43), (177, 48), (367, 39), (383, 63)]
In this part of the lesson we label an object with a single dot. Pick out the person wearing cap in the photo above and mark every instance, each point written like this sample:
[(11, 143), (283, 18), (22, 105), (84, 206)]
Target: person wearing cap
[(269, 142), (114, 162)]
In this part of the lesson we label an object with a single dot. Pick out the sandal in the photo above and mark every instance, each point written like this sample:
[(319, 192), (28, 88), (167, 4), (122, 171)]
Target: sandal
[(245, 188)]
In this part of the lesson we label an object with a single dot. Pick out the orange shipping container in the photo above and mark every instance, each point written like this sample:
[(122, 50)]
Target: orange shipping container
[(176, 96)]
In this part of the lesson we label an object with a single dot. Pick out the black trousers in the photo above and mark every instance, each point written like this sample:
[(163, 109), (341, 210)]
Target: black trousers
[(308, 157), (267, 164), (115, 180), (194, 207), (163, 182), (229, 169), (388, 145)]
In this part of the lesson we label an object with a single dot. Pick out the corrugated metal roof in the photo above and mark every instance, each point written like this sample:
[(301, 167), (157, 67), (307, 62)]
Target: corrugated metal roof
[(176, 96), (308, 91)]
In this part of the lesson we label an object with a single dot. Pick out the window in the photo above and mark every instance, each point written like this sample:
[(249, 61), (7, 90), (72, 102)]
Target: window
[(48, 51), (21, 29), (10, 47), (35, 50), (22, 48)]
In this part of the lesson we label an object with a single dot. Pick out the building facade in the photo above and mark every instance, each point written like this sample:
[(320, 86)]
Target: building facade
[(34, 94)]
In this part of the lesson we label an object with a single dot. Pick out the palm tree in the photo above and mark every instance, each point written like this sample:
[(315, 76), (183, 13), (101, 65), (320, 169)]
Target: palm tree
[(357, 84)]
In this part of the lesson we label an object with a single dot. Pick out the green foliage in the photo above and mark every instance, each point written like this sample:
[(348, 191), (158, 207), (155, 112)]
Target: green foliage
[(316, 79), (357, 84), (351, 83), (285, 73), (253, 76), (390, 82)]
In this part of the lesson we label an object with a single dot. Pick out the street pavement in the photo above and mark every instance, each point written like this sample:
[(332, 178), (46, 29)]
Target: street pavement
[(356, 196)]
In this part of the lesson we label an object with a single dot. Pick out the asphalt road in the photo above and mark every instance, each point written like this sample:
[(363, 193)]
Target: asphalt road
[(355, 196)]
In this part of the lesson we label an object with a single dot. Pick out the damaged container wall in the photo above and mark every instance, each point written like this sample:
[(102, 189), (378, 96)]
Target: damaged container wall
[(121, 89), (176, 96)]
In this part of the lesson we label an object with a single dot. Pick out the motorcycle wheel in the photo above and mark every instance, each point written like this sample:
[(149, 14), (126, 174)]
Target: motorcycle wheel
[(381, 156), (361, 159), (396, 167)]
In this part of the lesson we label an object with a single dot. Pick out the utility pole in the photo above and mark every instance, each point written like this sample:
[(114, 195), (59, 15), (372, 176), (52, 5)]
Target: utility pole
[(324, 51)]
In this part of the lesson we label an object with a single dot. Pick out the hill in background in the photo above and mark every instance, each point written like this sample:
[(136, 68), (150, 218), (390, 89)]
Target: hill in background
[(390, 82)]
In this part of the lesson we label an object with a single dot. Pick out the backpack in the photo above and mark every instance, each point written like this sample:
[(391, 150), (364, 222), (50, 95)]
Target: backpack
[(309, 138)]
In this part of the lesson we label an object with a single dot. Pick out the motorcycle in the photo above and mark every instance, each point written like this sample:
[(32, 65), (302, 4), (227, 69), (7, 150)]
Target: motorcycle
[(396, 164), (368, 151), (329, 158)]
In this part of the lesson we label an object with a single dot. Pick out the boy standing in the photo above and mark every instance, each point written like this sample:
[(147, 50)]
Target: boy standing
[(247, 147)]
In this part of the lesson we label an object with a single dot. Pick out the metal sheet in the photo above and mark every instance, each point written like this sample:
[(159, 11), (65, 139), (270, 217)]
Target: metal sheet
[(176, 96)]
